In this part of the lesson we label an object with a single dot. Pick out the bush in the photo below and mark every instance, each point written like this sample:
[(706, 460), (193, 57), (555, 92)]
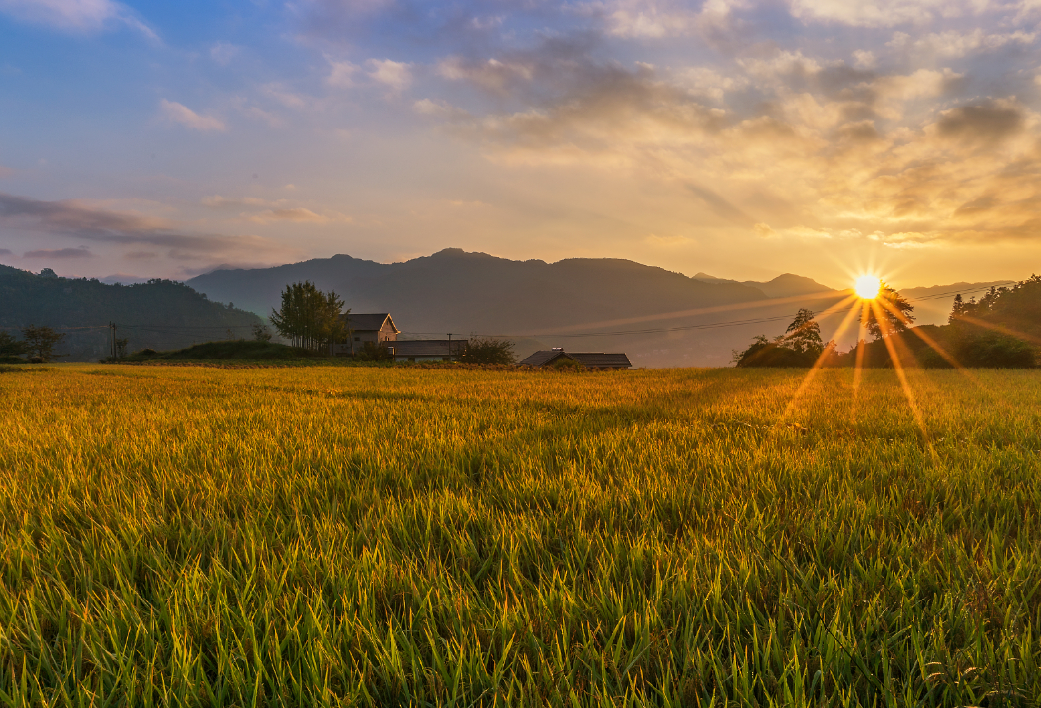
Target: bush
[(488, 350), (371, 351), (992, 350), (766, 354)]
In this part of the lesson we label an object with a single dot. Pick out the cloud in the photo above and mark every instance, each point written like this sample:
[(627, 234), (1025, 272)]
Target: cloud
[(953, 44), (883, 13), (185, 116), (981, 123), (219, 202), (87, 223), (298, 215), (223, 52), (283, 96), (80, 16), (81, 252), (6, 252), (341, 73), (5, 172), (273, 211), (396, 75)]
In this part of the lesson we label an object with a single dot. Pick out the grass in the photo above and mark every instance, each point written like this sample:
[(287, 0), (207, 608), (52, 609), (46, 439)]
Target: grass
[(356, 536)]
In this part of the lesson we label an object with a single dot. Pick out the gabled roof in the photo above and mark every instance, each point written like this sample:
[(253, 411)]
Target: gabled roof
[(587, 359), (603, 361), (428, 347), (368, 322), (544, 357)]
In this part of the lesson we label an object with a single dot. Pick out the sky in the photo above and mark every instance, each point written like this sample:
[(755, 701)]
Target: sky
[(739, 138)]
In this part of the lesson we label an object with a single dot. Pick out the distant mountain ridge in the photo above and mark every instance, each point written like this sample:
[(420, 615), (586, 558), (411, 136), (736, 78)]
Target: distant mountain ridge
[(159, 314), (538, 304), (784, 285), (658, 317)]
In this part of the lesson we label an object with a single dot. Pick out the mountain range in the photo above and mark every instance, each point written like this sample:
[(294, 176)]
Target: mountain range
[(658, 317)]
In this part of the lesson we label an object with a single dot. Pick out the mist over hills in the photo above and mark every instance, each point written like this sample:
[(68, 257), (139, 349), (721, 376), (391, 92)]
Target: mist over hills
[(579, 304)]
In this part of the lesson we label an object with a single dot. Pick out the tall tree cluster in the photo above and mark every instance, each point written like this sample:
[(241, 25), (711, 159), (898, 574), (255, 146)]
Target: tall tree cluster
[(310, 318)]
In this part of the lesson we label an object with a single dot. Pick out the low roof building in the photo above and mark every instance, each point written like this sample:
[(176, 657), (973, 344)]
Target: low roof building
[(590, 360), (427, 349)]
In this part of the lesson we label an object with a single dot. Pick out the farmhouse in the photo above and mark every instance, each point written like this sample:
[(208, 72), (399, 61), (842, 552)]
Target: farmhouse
[(376, 328), (427, 349), (589, 360)]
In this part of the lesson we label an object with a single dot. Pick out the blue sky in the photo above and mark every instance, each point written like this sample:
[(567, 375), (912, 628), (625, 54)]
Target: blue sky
[(734, 137)]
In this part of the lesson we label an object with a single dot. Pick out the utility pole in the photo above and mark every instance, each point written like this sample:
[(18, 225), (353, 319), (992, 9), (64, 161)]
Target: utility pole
[(449, 347), (112, 331)]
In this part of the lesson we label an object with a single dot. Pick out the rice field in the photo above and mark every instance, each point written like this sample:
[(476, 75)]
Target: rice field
[(378, 537)]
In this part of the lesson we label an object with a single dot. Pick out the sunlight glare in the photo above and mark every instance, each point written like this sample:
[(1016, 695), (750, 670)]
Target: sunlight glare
[(867, 287)]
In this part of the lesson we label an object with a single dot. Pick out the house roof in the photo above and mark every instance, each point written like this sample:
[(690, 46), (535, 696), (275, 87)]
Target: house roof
[(602, 361), (544, 357), (368, 322), (587, 359), (428, 347)]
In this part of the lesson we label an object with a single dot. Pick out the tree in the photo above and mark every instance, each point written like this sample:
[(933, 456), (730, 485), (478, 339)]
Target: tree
[(11, 347), (309, 318), (895, 314), (799, 347), (803, 335), (488, 350), (261, 333), (40, 341)]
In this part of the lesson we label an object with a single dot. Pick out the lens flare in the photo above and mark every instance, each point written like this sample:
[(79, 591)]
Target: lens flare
[(867, 287)]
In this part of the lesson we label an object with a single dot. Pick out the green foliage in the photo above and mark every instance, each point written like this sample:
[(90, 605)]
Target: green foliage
[(370, 351), (200, 537), (310, 318), (800, 346), (994, 331), (565, 364), (803, 335), (889, 314), (10, 347), (488, 350), (40, 342), (261, 333)]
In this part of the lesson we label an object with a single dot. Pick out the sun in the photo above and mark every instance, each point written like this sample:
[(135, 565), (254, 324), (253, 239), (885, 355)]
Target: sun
[(867, 287)]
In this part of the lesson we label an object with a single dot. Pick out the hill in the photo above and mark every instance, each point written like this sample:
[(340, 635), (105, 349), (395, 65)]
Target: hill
[(784, 285), (159, 314)]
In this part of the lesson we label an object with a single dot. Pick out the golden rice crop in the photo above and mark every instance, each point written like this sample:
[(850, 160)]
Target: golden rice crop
[(352, 536)]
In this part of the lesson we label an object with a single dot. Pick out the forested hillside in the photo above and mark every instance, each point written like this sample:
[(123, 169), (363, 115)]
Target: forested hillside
[(159, 314)]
